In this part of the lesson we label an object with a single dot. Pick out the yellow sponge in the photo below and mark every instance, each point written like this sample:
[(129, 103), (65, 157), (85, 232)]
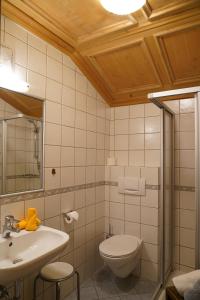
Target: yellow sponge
[(30, 223)]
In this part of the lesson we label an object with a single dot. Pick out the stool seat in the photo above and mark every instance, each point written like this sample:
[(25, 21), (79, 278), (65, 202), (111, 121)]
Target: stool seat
[(57, 271)]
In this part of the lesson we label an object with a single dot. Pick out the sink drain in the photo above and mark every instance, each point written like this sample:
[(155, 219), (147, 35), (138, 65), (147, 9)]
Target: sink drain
[(17, 260)]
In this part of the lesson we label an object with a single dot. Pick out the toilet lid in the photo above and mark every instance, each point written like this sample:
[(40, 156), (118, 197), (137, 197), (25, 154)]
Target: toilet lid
[(119, 245)]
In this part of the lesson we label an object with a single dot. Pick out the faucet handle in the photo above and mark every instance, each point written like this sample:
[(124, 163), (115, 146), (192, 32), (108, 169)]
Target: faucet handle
[(9, 218)]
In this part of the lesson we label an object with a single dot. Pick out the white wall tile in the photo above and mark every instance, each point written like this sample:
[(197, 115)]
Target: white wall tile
[(16, 30), (121, 142), (54, 69), (149, 216), (116, 210), (52, 156), (121, 126), (151, 110), (149, 234), (52, 206), (132, 213), (137, 111), (122, 112), (37, 84), (52, 134), (19, 48), (68, 96), (53, 91), (81, 83), (36, 43), (67, 176), (136, 158), (54, 53), (36, 61), (69, 78), (67, 136), (152, 124), (68, 116), (187, 105), (53, 112), (136, 125)]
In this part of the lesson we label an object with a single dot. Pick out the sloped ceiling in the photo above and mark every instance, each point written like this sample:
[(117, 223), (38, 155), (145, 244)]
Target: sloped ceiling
[(125, 57)]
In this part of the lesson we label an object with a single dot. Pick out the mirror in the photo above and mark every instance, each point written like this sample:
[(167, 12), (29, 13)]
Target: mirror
[(21, 142)]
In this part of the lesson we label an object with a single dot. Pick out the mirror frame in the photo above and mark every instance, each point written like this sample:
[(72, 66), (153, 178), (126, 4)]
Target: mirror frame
[(43, 146)]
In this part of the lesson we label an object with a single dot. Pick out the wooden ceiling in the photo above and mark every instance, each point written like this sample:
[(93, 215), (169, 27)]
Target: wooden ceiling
[(125, 57)]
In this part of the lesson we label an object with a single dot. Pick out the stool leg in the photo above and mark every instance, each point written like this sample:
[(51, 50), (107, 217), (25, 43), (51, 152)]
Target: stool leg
[(78, 285), (57, 290), (34, 287)]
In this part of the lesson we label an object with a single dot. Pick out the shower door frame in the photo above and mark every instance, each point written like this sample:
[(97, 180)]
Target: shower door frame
[(193, 92), (164, 108)]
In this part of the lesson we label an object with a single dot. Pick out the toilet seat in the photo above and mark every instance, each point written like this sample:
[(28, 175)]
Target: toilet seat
[(119, 246)]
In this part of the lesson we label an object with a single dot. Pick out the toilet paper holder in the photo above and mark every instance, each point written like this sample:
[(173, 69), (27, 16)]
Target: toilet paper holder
[(65, 215), (70, 216)]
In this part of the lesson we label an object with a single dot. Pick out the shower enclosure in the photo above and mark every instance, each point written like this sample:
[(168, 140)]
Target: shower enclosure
[(167, 203), (21, 152), (166, 192)]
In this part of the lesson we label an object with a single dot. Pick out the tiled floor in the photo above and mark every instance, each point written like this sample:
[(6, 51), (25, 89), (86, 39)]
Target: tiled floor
[(104, 285)]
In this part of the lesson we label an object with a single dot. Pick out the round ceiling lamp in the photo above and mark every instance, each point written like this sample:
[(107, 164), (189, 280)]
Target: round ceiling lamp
[(122, 7)]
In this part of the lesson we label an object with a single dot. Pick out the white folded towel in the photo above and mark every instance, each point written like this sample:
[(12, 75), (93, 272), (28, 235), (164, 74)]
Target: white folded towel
[(186, 281)]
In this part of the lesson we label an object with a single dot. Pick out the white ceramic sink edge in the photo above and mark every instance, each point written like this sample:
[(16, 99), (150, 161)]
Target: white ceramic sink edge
[(27, 251)]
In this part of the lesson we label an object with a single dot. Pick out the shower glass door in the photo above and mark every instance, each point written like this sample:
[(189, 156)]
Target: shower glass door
[(167, 153), (1, 155)]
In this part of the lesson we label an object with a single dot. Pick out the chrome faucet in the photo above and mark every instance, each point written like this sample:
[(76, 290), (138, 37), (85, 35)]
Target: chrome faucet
[(9, 226)]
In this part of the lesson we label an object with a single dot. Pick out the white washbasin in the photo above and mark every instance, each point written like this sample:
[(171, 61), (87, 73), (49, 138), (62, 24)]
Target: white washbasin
[(26, 251)]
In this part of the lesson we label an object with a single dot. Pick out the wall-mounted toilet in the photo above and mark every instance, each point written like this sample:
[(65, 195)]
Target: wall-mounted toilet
[(121, 253)]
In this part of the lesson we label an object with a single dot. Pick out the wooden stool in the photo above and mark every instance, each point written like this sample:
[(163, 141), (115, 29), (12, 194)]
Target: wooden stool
[(57, 272), (172, 294)]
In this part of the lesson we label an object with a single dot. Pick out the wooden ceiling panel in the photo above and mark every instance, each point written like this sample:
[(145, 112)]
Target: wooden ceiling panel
[(159, 4), (78, 17), (129, 68), (125, 57), (182, 55)]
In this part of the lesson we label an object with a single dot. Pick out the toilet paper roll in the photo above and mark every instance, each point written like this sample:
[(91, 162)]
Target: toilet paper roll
[(71, 216)]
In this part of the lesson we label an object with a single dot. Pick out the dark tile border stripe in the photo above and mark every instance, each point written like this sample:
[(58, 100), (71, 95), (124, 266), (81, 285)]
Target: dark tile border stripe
[(40, 194)]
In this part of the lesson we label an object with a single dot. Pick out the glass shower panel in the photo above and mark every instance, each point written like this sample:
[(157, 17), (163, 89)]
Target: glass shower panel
[(167, 190), (1, 156)]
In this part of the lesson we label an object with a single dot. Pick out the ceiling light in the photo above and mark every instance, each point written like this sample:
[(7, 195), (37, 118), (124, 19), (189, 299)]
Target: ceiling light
[(11, 81), (122, 7)]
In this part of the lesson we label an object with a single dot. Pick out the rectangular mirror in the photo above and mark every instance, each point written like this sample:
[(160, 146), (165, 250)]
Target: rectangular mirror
[(21, 142)]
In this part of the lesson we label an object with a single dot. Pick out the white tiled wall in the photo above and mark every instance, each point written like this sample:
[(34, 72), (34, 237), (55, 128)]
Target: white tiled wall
[(76, 143), (135, 135), (135, 215)]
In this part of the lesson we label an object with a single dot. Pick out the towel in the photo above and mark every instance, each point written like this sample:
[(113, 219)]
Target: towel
[(30, 223), (186, 281), (194, 293)]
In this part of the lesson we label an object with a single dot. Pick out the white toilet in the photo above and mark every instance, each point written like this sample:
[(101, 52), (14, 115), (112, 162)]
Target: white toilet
[(121, 253)]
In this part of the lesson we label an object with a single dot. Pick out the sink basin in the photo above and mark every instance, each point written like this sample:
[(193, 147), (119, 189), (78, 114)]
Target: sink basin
[(26, 251)]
